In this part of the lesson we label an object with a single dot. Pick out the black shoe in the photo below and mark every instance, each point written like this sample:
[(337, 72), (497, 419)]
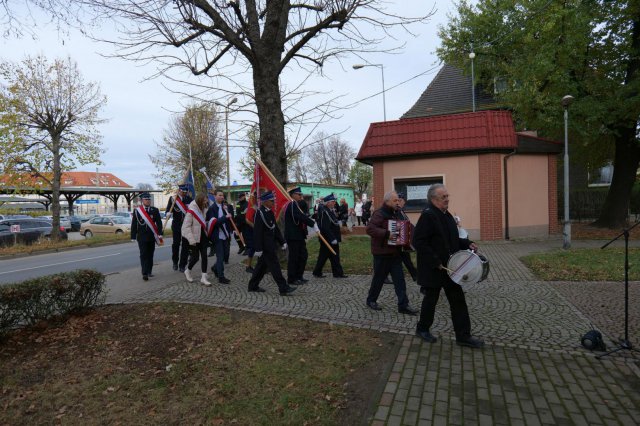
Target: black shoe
[(426, 336), (287, 291), (224, 280), (181, 270), (145, 277), (374, 306), (257, 290), (388, 281), (341, 276), (241, 251), (175, 266), (469, 341), (319, 275), (408, 311), (249, 269)]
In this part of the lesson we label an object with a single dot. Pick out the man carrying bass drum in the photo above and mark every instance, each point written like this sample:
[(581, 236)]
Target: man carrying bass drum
[(435, 240)]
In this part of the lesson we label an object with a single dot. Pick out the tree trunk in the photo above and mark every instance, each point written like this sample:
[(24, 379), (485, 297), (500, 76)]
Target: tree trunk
[(271, 119), (625, 166), (55, 190)]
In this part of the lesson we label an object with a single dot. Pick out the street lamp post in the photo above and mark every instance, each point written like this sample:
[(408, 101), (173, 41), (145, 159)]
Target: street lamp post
[(472, 55), (384, 101), (566, 232), (226, 129)]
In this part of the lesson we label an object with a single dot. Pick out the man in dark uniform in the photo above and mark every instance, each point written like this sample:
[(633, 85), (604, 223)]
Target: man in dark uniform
[(178, 210), (241, 211), (330, 229), (295, 232), (146, 228), (266, 237), (406, 251), (386, 258), (435, 239), (221, 233)]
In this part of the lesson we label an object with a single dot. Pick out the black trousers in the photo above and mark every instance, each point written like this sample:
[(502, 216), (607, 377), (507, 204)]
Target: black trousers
[(147, 248), (457, 305), (298, 256), (199, 251), (382, 266), (268, 262), (179, 249), (323, 255)]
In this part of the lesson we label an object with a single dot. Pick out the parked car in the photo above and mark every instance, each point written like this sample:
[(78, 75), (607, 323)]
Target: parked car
[(127, 215), (105, 225), (76, 222), (64, 222), (8, 238), (84, 217), (42, 226)]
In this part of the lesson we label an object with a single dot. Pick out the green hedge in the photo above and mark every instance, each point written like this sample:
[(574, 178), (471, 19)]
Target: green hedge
[(43, 298)]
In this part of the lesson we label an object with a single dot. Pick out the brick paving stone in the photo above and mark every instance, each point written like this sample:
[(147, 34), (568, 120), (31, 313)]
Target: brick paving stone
[(532, 370)]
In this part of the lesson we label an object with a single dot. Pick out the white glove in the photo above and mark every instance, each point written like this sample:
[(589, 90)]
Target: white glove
[(334, 242), (315, 228), (284, 247), (257, 254)]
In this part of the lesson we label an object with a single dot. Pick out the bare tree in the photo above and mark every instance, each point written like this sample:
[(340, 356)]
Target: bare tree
[(197, 131), (329, 159), (209, 38), (143, 186), (57, 112)]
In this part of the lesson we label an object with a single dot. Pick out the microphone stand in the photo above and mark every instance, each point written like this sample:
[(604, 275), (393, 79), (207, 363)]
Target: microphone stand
[(623, 344)]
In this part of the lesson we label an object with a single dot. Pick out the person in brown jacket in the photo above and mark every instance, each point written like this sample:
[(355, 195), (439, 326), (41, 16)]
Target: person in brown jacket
[(386, 259)]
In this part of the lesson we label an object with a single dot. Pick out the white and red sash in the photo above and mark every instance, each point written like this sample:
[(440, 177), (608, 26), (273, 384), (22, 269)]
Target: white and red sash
[(181, 205), (198, 216), (151, 224), (210, 226)]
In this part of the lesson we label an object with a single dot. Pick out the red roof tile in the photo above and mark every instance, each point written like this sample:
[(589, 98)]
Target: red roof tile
[(70, 180), (474, 131)]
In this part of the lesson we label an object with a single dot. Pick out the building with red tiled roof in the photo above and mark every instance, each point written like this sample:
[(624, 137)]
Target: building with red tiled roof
[(503, 183)]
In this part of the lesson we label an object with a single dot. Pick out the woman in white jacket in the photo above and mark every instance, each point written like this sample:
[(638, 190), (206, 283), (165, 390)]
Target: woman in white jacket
[(194, 230)]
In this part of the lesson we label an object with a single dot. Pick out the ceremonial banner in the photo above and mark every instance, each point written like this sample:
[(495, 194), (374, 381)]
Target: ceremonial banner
[(264, 181)]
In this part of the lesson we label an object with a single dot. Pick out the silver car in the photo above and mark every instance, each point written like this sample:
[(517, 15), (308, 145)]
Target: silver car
[(64, 222)]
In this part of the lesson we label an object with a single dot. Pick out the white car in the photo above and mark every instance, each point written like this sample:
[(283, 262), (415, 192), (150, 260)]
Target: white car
[(64, 222)]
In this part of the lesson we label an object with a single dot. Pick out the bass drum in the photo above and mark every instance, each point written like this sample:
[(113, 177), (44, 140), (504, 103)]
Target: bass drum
[(466, 267)]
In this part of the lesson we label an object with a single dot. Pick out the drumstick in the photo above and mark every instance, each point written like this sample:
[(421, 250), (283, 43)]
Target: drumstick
[(464, 277)]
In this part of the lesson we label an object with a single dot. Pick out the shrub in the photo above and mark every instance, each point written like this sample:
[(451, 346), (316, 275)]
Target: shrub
[(43, 298)]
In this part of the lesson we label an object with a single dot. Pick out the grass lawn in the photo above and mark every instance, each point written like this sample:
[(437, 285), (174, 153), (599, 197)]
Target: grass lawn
[(189, 364), (584, 265)]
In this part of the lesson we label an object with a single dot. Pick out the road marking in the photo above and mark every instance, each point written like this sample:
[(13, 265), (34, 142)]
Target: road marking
[(61, 263)]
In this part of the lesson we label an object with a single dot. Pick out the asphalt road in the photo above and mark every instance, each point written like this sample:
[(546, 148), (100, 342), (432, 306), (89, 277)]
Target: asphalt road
[(105, 259)]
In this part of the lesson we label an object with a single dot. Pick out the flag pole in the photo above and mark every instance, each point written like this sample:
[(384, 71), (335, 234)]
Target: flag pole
[(235, 228), (173, 204), (286, 194)]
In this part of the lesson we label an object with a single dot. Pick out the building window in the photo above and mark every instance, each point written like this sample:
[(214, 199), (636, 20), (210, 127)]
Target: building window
[(415, 190)]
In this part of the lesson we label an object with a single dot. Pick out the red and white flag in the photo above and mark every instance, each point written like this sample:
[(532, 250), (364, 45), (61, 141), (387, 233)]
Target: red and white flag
[(263, 181)]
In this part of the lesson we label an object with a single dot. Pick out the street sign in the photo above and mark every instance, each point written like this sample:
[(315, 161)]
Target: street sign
[(87, 202), (15, 228)]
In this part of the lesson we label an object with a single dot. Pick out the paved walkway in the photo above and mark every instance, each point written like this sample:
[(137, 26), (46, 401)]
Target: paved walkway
[(532, 371)]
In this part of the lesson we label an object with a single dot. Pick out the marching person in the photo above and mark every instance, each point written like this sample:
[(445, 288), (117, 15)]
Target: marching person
[(386, 258), (178, 210), (296, 222), (330, 229), (241, 222), (406, 251), (146, 228), (194, 230), (435, 239), (266, 237), (220, 234)]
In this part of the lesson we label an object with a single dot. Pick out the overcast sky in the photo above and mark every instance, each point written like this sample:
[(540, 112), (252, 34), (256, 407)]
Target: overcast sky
[(138, 109)]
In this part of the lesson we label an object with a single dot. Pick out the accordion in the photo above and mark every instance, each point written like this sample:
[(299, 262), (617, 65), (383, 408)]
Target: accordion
[(400, 231)]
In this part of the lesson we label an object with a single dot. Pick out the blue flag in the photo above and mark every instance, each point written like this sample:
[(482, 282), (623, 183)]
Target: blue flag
[(191, 185), (212, 197)]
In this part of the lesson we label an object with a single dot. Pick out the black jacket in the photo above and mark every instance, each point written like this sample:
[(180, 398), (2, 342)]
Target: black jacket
[(140, 230), (241, 211), (266, 232), (435, 239), (222, 223), (176, 213), (296, 222), (328, 224)]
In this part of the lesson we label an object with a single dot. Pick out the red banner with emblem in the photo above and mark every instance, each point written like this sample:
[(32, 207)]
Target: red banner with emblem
[(264, 181)]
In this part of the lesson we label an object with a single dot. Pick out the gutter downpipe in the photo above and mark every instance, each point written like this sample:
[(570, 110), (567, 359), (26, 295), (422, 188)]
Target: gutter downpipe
[(506, 194)]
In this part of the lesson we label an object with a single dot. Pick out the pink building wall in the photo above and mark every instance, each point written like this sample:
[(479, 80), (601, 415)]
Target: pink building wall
[(528, 195)]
